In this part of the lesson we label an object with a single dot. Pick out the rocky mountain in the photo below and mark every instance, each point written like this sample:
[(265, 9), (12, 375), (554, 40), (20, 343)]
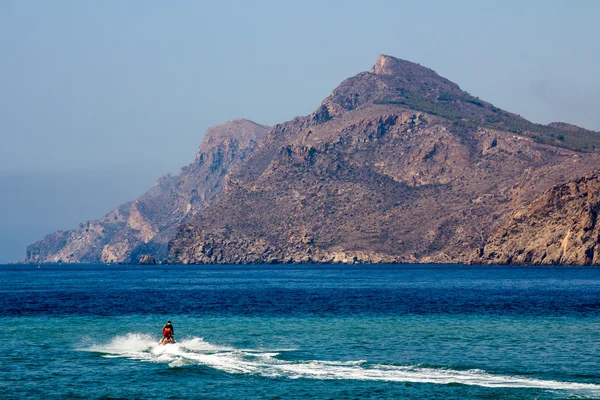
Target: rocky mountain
[(144, 226), (398, 164), (561, 227)]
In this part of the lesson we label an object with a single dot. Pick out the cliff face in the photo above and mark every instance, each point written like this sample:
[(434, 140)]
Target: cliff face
[(559, 228), (145, 225), (397, 165)]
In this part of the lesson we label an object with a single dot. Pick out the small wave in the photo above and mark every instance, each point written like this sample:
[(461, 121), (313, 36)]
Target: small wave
[(196, 351), (129, 344), (145, 347)]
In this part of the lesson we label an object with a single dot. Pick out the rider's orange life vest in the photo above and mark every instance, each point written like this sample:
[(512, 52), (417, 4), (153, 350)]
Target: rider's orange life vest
[(166, 332)]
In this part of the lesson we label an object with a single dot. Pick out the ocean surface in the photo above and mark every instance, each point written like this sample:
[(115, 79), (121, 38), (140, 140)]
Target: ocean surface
[(296, 332)]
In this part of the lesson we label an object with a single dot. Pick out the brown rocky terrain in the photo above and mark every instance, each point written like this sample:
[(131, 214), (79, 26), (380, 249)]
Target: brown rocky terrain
[(144, 226), (559, 228), (397, 165)]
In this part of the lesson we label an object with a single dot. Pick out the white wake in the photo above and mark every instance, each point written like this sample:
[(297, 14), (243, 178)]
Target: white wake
[(196, 351)]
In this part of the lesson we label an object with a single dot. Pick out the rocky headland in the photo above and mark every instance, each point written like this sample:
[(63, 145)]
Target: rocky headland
[(145, 226), (398, 164)]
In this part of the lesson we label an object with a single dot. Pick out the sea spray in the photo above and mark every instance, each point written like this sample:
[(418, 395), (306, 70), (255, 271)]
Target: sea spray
[(262, 362)]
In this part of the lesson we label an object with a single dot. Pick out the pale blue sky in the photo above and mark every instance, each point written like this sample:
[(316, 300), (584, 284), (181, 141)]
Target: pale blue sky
[(99, 98)]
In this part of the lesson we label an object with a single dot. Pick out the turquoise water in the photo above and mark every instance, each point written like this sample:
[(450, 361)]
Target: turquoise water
[(300, 332)]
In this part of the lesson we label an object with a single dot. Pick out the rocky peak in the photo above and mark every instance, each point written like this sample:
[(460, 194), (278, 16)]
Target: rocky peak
[(242, 131), (402, 83), (392, 80), (398, 68), (144, 227), (386, 65)]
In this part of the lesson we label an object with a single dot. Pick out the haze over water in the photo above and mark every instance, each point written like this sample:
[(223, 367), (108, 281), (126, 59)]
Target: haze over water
[(390, 331)]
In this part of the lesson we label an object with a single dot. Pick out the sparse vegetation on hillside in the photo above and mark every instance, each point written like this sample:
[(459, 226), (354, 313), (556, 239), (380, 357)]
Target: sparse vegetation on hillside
[(460, 110)]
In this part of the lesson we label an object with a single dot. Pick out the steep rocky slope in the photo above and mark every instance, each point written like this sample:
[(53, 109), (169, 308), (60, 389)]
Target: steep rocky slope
[(560, 227), (397, 165), (145, 225)]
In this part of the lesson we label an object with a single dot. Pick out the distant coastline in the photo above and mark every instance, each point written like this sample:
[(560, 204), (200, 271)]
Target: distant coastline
[(397, 165)]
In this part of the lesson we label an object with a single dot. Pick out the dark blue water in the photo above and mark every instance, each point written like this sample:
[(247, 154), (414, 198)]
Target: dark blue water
[(300, 332)]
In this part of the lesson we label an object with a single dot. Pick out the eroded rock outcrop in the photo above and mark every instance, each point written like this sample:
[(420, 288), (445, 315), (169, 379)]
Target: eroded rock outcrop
[(147, 259), (559, 228)]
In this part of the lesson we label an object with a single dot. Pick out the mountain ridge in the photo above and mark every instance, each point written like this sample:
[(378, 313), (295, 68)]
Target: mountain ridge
[(369, 178), (397, 164), (145, 225)]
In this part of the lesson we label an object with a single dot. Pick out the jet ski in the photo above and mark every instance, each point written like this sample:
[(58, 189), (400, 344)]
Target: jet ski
[(166, 340)]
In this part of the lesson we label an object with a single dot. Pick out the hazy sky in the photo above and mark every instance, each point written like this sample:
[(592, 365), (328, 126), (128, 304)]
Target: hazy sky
[(99, 98)]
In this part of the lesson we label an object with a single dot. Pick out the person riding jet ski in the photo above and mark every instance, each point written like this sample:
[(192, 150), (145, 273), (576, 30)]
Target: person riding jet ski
[(168, 332)]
